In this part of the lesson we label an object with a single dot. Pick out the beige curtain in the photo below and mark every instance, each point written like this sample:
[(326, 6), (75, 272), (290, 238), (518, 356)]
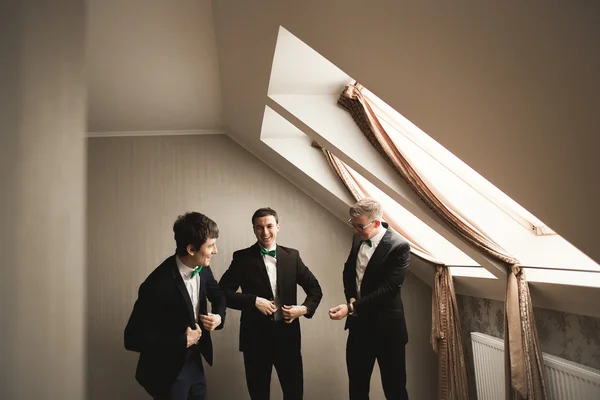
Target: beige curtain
[(523, 354), (446, 338), (524, 369)]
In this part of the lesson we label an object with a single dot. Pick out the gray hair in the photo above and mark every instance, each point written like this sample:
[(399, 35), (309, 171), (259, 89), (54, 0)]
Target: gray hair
[(367, 206)]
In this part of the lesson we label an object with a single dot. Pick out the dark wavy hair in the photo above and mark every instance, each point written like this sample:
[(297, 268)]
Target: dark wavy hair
[(193, 229)]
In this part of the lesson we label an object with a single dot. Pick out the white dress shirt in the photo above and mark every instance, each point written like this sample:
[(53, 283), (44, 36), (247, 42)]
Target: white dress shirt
[(271, 264), (364, 255), (192, 285)]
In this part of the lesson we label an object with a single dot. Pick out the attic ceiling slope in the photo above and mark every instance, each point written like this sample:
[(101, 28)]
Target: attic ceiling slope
[(511, 88)]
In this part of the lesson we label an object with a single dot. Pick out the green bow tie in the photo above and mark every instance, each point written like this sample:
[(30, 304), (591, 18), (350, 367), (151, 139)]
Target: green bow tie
[(368, 241), (197, 270), (271, 253)]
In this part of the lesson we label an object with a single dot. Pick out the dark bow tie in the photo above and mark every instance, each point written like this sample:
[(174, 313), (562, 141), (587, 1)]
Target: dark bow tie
[(368, 242)]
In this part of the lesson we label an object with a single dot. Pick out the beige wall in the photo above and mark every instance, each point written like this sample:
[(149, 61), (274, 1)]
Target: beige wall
[(137, 186), (42, 199)]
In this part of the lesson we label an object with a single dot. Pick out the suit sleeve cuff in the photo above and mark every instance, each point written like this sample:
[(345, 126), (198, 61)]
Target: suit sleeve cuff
[(309, 312), (356, 306)]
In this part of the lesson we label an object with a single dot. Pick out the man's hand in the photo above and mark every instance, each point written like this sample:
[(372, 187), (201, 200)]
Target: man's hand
[(265, 306), (193, 335), (339, 312), (290, 313), (210, 321)]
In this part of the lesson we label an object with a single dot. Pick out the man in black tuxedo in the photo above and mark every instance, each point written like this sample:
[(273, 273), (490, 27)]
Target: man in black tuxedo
[(163, 326), (270, 330), (373, 276)]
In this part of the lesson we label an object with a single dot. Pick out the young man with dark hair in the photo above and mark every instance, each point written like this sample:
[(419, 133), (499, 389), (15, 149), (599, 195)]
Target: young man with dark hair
[(170, 325), (270, 330)]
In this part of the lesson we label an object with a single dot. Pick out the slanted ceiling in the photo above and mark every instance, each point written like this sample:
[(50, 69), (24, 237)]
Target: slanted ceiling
[(513, 89)]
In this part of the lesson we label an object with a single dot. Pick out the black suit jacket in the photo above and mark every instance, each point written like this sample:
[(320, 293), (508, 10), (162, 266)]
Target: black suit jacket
[(380, 304), (248, 271), (157, 325)]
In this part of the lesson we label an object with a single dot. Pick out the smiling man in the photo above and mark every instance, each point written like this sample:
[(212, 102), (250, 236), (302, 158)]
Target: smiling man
[(270, 330), (373, 276), (170, 325)]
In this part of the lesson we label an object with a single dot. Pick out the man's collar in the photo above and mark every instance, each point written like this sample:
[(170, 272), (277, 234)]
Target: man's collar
[(377, 238), (184, 270)]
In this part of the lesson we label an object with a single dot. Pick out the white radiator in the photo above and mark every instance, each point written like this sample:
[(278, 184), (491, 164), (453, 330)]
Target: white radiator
[(565, 380)]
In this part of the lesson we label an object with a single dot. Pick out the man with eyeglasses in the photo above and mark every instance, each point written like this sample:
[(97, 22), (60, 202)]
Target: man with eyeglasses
[(373, 276), (269, 275)]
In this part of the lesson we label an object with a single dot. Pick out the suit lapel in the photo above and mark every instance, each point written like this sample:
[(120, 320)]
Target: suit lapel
[(381, 251), (184, 293), (352, 259), (354, 251), (203, 307), (283, 262)]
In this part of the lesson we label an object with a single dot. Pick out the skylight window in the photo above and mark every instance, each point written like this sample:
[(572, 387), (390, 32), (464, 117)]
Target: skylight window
[(304, 89)]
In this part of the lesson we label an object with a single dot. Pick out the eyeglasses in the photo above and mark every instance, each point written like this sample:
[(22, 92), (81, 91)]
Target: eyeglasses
[(360, 228)]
